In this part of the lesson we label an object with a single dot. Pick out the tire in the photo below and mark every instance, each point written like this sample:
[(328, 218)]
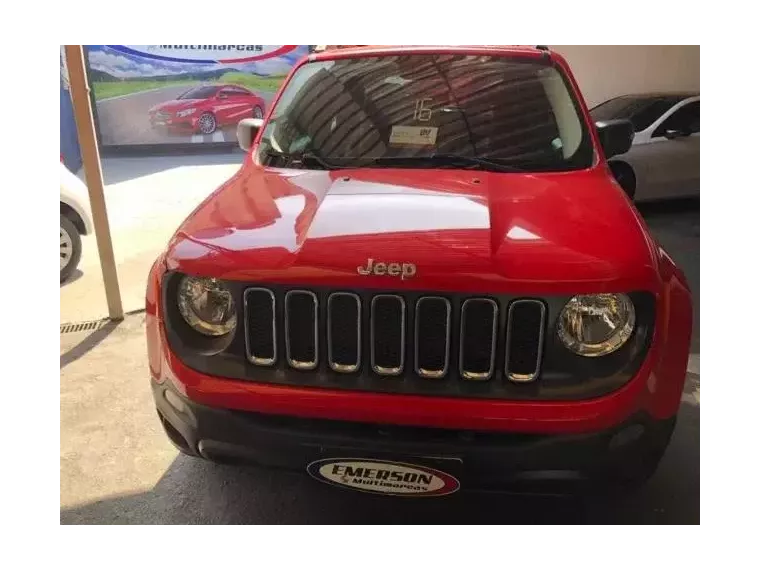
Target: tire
[(258, 112), (207, 123), (71, 247), (625, 177)]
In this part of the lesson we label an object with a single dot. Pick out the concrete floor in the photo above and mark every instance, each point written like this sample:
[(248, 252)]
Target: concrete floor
[(118, 469)]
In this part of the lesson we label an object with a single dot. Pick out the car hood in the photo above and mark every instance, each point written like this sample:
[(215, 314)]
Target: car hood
[(177, 105), (464, 230)]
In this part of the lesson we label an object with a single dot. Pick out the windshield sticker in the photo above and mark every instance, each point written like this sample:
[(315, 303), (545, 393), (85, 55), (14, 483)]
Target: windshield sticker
[(397, 80), (422, 110), (413, 136)]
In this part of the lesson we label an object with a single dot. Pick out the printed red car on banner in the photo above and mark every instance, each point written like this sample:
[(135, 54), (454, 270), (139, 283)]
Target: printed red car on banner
[(205, 108), (423, 278)]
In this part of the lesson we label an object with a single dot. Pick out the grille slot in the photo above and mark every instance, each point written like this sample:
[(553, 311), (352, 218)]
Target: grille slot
[(261, 327), (432, 332), (301, 336), (344, 332), (387, 334), (477, 348), (525, 339)]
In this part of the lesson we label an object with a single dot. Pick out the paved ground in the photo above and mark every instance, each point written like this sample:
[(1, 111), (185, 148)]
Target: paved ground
[(123, 120), (117, 466)]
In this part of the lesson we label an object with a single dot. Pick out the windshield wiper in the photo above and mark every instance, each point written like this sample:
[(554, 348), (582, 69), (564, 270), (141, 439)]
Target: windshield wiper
[(305, 158), (445, 159)]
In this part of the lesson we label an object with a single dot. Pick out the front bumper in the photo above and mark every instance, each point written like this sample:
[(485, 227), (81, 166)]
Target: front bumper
[(173, 122), (479, 460)]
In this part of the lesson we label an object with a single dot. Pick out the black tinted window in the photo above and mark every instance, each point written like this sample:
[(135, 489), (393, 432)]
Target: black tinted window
[(354, 111), (199, 93), (685, 119), (641, 111)]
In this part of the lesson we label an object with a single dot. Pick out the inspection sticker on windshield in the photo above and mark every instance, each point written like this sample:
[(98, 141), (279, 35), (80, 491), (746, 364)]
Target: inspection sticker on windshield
[(414, 136)]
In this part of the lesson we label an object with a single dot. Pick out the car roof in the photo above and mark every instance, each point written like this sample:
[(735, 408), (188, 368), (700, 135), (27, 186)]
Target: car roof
[(342, 51)]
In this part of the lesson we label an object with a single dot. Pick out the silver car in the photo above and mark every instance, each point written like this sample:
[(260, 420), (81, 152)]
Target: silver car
[(664, 159)]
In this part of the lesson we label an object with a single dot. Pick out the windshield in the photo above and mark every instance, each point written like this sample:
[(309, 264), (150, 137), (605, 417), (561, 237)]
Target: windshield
[(641, 111), (423, 111), (199, 93)]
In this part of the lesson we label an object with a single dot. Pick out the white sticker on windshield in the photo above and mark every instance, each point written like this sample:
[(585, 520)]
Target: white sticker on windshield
[(415, 136)]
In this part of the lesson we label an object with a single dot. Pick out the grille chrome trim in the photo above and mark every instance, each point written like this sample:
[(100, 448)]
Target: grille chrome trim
[(478, 376), (513, 376), (345, 368), (386, 371), (251, 357), (302, 365), (433, 374)]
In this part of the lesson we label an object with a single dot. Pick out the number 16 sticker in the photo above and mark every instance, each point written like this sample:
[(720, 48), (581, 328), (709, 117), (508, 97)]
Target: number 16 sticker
[(422, 110)]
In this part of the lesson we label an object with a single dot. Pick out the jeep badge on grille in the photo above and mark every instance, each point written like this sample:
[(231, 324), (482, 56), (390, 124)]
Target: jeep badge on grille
[(395, 269)]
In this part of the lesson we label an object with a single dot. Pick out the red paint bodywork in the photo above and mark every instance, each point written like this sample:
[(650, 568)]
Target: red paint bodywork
[(539, 234), (228, 111)]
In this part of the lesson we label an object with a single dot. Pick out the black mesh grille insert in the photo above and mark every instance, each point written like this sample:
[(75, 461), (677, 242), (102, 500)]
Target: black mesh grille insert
[(478, 338), (525, 331), (344, 332), (388, 322), (432, 336), (301, 329), (260, 337)]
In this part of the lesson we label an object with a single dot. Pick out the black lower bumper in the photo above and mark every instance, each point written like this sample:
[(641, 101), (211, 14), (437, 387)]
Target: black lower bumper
[(479, 460)]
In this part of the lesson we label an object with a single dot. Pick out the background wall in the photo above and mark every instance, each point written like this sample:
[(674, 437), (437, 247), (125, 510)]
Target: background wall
[(605, 70)]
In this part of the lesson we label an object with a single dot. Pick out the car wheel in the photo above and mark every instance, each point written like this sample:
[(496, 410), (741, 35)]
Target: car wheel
[(258, 112), (71, 247), (207, 123), (625, 177)]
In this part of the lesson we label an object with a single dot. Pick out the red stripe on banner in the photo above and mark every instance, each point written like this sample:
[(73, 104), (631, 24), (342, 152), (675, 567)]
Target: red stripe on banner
[(275, 53)]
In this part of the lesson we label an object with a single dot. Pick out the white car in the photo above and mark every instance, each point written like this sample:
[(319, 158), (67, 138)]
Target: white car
[(664, 159), (76, 220)]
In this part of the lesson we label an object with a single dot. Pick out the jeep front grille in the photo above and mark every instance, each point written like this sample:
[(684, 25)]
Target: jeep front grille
[(525, 336), (344, 332), (301, 333), (432, 335), (260, 327), (477, 341), (389, 335)]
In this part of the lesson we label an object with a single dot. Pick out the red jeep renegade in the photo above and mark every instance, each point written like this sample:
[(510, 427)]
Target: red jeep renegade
[(423, 278)]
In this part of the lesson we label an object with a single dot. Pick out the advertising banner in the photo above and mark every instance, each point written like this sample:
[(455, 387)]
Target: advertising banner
[(176, 94)]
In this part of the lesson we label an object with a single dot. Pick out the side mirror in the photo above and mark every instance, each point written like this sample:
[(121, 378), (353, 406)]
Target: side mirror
[(247, 130), (616, 136)]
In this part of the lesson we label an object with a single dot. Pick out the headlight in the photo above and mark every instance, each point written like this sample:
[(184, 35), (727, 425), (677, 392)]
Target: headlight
[(595, 325), (206, 305), (185, 113)]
